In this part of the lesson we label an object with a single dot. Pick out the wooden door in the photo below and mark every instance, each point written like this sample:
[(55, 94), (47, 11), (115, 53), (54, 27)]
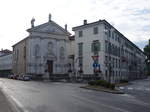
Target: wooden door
[(50, 66)]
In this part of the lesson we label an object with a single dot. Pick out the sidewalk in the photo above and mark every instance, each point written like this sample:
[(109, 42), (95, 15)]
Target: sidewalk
[(5, 105)]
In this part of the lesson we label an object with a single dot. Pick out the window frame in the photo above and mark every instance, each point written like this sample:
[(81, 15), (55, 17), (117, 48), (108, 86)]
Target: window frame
[(80, 33), (95, 30)]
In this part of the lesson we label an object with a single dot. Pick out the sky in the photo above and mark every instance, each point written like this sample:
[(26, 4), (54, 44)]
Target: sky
[(130, 17)]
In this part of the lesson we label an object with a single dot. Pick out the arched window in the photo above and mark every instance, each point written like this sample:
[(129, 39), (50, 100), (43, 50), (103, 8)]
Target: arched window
[(50, 47), (36, 50), (62, 52)]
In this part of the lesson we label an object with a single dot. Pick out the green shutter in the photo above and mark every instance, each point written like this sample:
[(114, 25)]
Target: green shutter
[(99, 46), (92, 47)]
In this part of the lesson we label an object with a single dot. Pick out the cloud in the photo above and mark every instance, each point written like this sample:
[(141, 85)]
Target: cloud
[(146, 28), (130, 17), (142, 12), (141, 44)]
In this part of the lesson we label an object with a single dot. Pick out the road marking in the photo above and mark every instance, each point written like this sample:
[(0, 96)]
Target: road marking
[(121, 87), (13, 100), (127, 95), (147, 89), (130, 88), (18, 104)]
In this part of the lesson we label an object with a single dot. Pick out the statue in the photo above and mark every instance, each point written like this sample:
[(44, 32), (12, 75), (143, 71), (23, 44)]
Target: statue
[(32, 22)]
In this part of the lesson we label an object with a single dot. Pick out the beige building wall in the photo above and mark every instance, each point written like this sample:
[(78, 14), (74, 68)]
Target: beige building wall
[(19, 58)]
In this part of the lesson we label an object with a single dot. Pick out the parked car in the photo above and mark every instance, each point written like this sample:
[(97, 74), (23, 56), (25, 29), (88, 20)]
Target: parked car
[(24, 77), (15, 76), (10, 76)]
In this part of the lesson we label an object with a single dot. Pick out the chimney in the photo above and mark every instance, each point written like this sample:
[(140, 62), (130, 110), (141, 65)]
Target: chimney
[(50, 18), (84, 22), (32, 23), (66, 27)]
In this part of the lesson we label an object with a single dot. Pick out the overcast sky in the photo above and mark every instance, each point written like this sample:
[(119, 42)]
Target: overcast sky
[(130, 17)]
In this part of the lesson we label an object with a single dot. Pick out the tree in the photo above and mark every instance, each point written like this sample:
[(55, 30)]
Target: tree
[(147, 52)]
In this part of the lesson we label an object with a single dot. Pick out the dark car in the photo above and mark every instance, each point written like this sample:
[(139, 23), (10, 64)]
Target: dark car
[(15, 76)]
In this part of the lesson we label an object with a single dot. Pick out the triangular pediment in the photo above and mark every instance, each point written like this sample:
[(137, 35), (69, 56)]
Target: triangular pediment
[(49, 27)]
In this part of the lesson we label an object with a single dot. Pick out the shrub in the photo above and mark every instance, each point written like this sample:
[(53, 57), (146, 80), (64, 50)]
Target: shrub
[(124, 81), (102, 83), (91, 83), (98, 82), (112, 86), (107, 85)]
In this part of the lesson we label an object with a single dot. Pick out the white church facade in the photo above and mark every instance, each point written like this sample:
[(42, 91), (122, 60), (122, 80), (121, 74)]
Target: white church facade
[(43, 52)]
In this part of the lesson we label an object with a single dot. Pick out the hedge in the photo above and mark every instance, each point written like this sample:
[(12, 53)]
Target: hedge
[(102, 83)]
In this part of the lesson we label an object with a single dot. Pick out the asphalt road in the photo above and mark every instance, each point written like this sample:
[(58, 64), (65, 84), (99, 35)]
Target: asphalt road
[(35, 96)]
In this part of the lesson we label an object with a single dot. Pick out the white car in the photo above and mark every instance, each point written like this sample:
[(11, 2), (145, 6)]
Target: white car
[(24, 77)]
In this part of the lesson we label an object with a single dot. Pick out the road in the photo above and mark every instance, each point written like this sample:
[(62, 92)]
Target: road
[(34, 96)]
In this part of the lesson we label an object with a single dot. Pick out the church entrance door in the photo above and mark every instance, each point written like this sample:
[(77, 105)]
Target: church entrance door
[(50, 67)]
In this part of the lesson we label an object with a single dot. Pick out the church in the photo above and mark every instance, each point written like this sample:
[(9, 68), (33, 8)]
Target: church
[(44, 52)]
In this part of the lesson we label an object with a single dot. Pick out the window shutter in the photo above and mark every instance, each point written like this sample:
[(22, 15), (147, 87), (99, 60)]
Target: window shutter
[(92, 47), (99, 46)]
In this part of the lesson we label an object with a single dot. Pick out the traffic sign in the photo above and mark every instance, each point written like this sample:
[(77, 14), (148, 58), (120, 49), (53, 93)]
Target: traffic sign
[(94, 65), (95, 57)]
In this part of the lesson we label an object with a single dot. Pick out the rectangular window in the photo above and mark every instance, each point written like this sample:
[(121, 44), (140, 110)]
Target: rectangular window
[(110, 63), (116, 63), (80, 49), (95, 30), (95, 47), (112, 35), (116, 37), (106, 73), (105, 30), (24, 52), (80, 61), (119, 63), (106, 60), (80, 53), (109, 33), (109, 48), (113, 62), (80, 33), (112, 47), (106, 46)]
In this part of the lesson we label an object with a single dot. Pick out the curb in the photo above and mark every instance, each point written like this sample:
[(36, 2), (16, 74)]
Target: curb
[(103, 90), (11, 102)]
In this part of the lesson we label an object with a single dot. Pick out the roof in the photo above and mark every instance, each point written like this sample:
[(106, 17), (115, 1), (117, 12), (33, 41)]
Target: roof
[(6, 51), (20, 41), (41, 26), (87, 25), (46, 24)]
